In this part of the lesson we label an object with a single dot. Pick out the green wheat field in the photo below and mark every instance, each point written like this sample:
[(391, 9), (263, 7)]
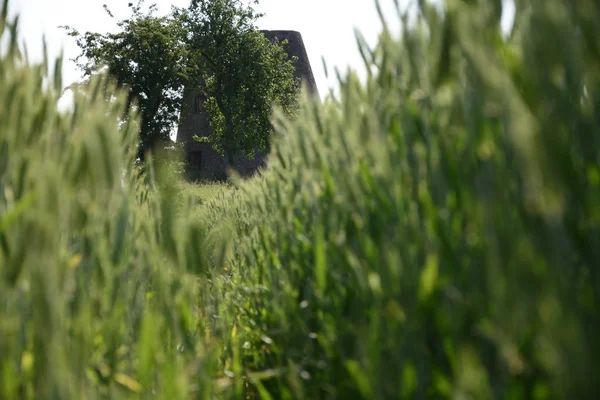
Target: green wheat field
[(431, 233)]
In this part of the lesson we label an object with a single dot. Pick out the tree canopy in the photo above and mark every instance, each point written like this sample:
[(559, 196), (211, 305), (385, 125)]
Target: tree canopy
[(242, 73), (212, 47)]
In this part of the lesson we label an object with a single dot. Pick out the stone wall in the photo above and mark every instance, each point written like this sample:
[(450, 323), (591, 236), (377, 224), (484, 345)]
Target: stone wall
[(201, 156)]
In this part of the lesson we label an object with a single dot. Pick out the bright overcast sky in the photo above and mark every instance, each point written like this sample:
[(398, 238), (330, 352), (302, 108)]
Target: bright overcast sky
[(327, 27)]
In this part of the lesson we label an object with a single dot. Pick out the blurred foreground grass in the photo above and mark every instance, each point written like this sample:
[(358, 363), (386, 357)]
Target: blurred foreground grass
[(433, 233)]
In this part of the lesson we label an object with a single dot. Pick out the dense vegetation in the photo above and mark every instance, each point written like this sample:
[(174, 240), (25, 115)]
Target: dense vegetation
[(211, 47), (432, 233)]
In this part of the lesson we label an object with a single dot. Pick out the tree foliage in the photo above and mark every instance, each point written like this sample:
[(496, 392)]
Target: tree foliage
[(242, 73), (212, 47), (148, 57)]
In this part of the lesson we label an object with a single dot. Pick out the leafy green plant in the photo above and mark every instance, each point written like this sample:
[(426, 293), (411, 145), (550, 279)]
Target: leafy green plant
[(242, 75), (211, 47), (147, 58)]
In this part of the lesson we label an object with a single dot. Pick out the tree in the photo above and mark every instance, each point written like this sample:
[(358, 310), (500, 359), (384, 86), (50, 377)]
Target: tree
[(243, 74), (148, 57), (211, 46)]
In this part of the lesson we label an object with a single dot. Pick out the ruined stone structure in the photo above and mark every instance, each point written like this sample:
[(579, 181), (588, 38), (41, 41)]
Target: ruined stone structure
[(201, 156)]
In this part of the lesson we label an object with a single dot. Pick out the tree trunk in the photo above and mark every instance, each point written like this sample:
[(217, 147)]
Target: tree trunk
[(230, 144), (230, 159)]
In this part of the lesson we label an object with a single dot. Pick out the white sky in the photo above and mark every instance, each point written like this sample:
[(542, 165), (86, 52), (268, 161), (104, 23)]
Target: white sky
[(327, 27)]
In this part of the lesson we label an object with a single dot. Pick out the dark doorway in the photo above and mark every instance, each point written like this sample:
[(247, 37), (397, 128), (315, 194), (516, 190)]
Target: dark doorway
[(195, 159)]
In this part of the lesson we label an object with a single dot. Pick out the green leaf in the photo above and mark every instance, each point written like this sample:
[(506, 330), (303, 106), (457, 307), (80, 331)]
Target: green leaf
[(11, 216), (429, 277), (320, 260)]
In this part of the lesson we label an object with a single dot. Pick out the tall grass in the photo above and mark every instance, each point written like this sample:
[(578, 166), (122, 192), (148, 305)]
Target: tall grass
[(98, 275), (431, 233), (434, 232)]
